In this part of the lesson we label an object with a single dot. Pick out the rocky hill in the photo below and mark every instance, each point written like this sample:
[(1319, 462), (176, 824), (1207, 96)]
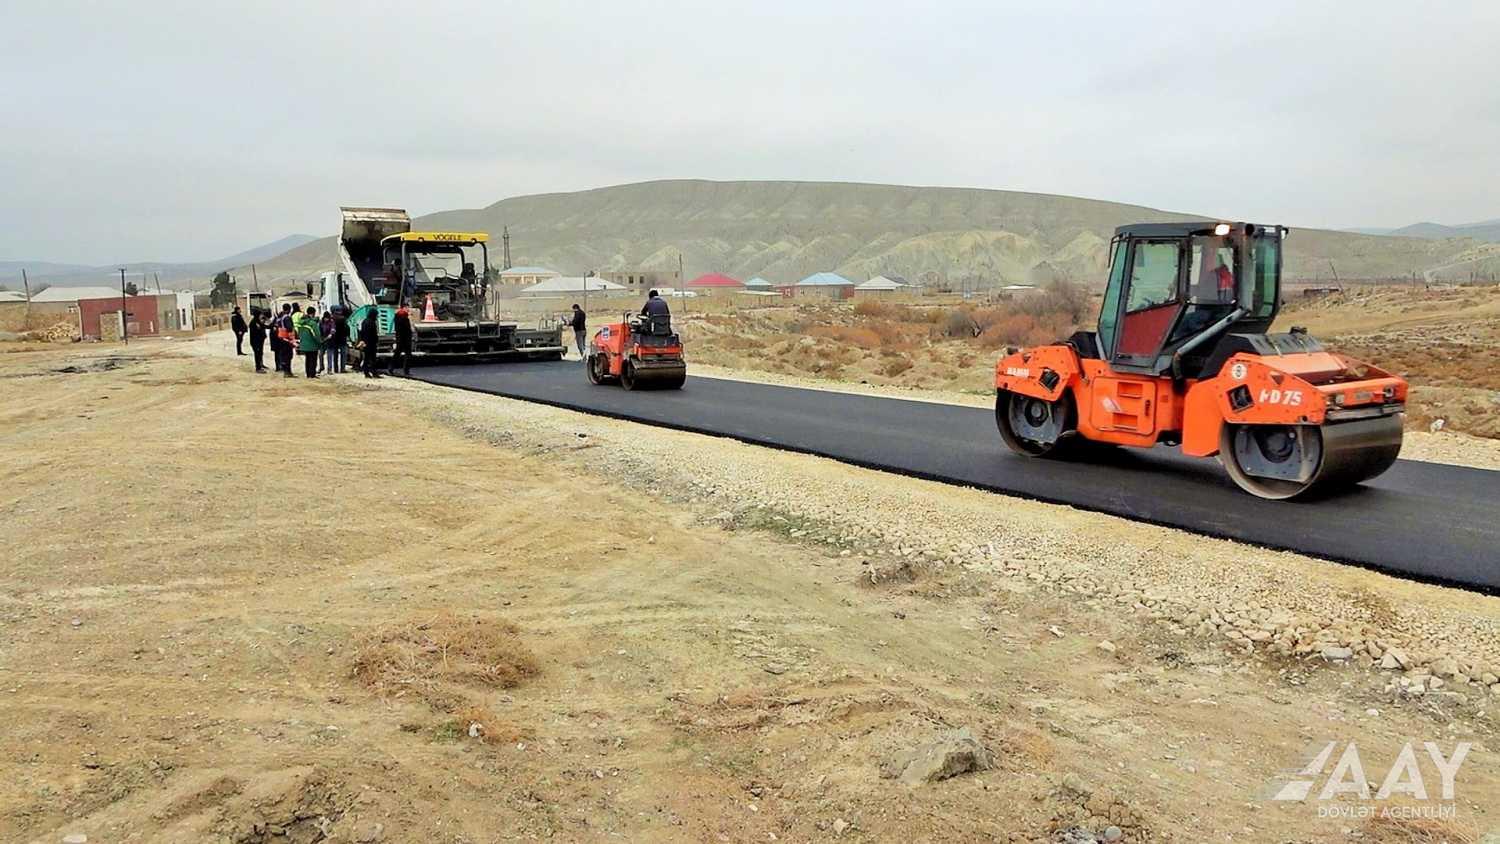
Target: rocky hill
[(786, 230)]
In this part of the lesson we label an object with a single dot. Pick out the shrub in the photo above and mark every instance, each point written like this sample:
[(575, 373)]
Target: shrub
[(1061, 297), (958, 322), (1015, 329), (895, 366), (874, 308), (864, 338)]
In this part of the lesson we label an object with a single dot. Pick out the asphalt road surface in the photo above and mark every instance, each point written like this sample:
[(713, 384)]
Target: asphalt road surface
[(1423, 520)]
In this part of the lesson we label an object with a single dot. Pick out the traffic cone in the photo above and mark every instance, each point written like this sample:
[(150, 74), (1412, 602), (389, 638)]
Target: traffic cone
[(428, 314)]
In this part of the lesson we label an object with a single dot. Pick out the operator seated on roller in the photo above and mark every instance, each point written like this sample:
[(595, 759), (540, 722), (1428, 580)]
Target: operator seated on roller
[(658, 315), (1210, 291)]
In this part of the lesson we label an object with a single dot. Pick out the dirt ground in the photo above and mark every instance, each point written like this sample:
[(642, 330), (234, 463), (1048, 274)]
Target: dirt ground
[(242, 608)]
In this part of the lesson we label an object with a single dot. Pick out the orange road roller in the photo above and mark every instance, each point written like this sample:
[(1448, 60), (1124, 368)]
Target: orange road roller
[(639, 353), (1181, 356)]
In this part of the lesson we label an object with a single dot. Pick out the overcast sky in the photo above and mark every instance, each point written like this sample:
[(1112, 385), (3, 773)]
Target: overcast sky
[(191, 130)]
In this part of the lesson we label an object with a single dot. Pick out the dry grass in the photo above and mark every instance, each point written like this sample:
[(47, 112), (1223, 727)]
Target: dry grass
[(947, 345), (433, 656), (876, 309), (1399, 830)]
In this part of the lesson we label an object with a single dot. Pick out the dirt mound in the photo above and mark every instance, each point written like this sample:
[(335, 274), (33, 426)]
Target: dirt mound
[(300, 806), (436, 657)]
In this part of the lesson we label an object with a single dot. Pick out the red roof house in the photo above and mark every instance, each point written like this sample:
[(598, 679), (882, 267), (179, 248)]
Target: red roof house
[(715, 280)]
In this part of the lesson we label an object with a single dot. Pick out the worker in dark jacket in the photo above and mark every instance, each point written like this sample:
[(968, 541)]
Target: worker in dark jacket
[(339, 343), (402, 326), (258, 339), (658, 315), (655, 306), (281, 333), (579, 322), (369, 339), (237, 325)]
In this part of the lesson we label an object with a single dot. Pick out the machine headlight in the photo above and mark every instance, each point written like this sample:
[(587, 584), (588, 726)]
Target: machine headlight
[(1221, 229)]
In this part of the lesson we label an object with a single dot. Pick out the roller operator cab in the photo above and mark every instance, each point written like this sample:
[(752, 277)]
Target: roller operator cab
[(1181, 356)]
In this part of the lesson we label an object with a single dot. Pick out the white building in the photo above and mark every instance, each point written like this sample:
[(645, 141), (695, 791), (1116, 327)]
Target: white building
[(187, 312), (570, 285), (526, 276), (878, 285)]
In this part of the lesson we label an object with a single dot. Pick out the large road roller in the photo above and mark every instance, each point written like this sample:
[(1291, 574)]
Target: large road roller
[(1181, 357), (640, 352)]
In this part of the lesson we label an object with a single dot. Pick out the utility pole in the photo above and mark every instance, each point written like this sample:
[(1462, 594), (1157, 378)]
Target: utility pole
[(586, 276), (254, 279), (156, 276), (681, 285), (505, 238), (124, 310), (26, 282)]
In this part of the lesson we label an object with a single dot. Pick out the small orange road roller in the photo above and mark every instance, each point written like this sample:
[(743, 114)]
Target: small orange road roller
[(640, 353)]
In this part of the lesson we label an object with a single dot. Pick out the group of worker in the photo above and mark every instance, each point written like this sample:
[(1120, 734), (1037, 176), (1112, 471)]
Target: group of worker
[(323, 342), (655, 307)]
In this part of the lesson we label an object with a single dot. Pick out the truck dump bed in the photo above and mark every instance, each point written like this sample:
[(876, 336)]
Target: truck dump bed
[(363, 230)]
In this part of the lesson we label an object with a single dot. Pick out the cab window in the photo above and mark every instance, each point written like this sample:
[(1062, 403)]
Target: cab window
[(1153, 275), (1211, 275), (1109, 312), (1266, 260)]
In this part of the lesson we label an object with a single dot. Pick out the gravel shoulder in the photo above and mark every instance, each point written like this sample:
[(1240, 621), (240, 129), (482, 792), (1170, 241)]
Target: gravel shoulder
[(731, 641)]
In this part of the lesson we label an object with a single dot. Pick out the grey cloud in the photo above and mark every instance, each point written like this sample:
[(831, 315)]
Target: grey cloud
[(185, 131)]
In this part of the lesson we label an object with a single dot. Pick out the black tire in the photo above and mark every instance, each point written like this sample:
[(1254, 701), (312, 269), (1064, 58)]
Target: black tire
[(598, 369), (1058, 416), (627, 376)]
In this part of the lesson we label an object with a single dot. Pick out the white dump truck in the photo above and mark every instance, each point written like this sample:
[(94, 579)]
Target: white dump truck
[(441, 278)]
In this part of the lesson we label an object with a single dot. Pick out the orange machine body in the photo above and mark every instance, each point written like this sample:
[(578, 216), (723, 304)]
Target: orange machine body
[(1142, 410), (638, 352), (621, 344)]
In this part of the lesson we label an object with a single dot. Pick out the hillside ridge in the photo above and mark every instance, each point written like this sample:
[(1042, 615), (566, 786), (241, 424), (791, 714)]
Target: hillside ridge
[(785, 230)]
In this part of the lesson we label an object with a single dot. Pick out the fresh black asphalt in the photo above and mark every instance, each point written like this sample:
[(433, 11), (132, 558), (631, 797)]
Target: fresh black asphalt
[(1424, 520)]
